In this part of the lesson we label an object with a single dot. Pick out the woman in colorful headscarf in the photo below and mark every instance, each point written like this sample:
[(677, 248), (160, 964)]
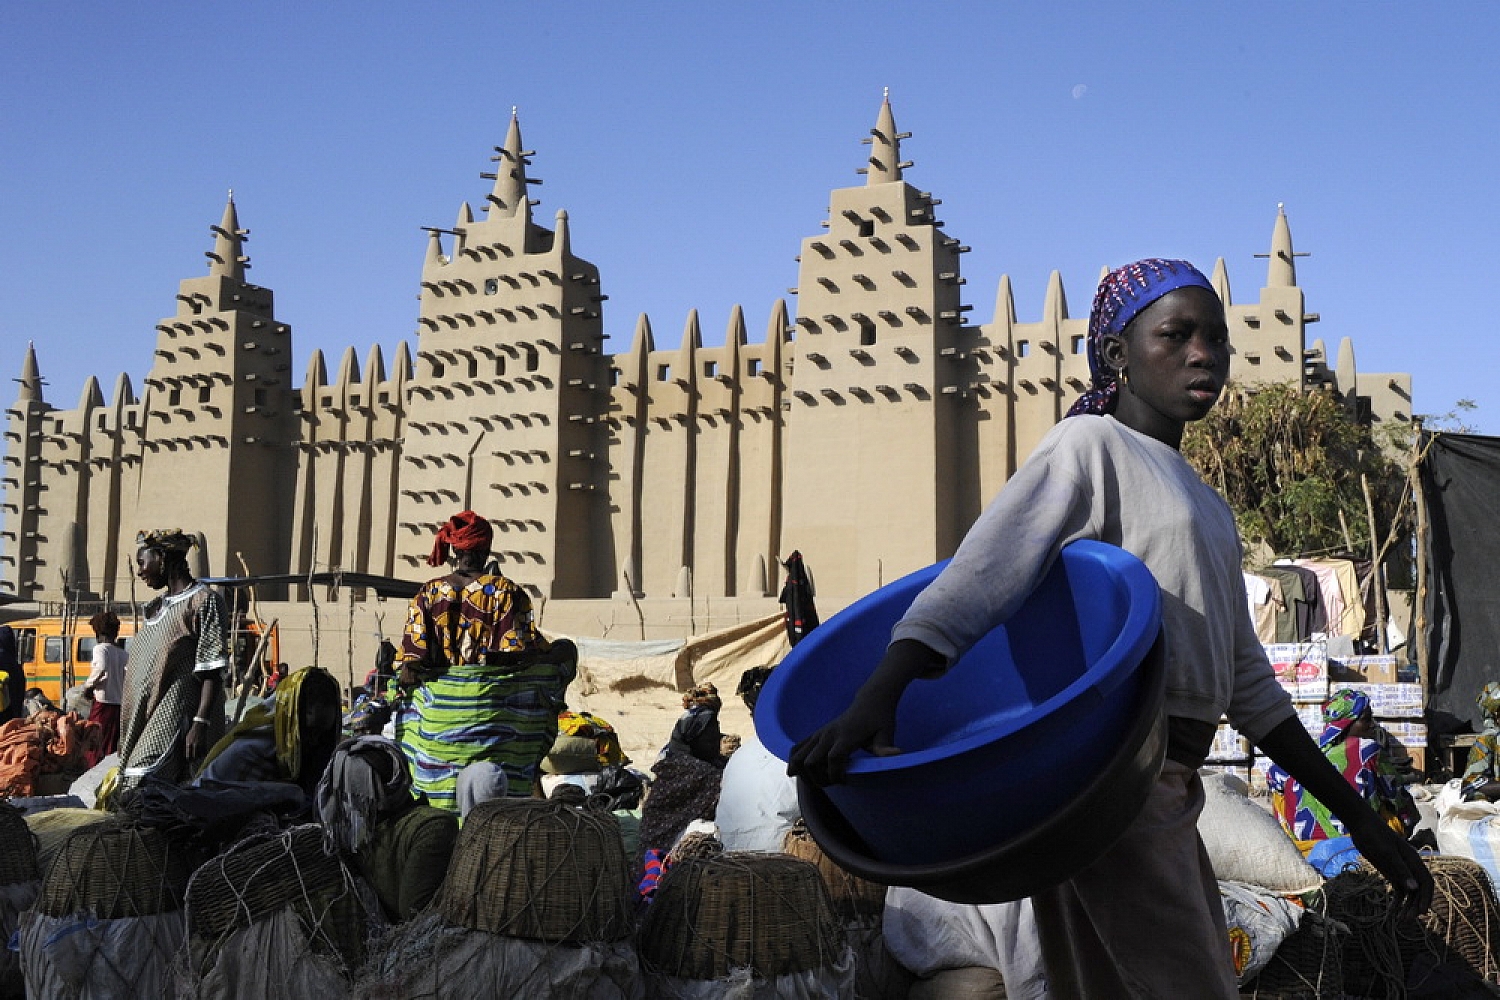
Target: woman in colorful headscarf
[(172, 709), (1348, 741), (369, 813), (480, 684), (1145, 919), (1482, 777), (288, 738)]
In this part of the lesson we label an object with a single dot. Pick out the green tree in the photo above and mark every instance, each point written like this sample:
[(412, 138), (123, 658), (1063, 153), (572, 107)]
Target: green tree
[(1291, 463)]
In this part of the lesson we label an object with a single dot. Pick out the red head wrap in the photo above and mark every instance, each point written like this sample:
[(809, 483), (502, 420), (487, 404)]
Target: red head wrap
[(465, 532)]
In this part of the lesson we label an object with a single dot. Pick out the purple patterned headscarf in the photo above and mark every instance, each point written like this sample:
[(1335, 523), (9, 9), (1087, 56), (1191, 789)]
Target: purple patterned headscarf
[(1122, 295)]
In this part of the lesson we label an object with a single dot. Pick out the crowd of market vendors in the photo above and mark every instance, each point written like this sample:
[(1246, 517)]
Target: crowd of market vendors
[(470, 704)]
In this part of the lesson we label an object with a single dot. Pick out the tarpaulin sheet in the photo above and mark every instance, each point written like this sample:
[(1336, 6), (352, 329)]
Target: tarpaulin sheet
[(719, 657), (1461, 484)]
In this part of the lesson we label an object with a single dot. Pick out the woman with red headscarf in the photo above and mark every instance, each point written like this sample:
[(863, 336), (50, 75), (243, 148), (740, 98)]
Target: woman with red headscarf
[(481, 685)]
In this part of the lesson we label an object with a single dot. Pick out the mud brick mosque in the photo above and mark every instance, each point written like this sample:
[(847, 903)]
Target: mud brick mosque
[(865, 429)]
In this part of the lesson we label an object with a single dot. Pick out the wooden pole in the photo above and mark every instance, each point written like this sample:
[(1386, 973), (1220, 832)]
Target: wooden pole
[(260, 646), (1377, 573), (1420, 624)]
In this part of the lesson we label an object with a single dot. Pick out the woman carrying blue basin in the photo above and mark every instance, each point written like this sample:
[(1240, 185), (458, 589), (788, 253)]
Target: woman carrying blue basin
[(1145, 920)]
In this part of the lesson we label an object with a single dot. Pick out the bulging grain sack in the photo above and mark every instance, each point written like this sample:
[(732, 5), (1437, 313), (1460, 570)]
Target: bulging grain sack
[(1246, 844)]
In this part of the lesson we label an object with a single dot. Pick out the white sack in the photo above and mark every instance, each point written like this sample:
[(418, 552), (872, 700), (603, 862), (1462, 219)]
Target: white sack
[(15, 899), (1258, 922), (928, 935), (1246, 844), (1469, 829), (757, 801), (429, 958), (831, 982), (270, 960), (79, 957)]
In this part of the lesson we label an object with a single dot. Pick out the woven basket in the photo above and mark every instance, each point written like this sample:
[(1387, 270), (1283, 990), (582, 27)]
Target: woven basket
[(260, 877), (1307, 966), (766, 912), (547, 871), (1457, 941), (853, 898), (114, 869), (17, 848)]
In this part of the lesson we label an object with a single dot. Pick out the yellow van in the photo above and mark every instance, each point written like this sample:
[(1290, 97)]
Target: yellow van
[(56, 662)]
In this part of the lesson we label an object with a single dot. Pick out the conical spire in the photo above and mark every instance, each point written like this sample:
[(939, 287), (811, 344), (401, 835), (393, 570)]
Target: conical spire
[(434, 250), (1282, 272), (509, 194), (643, 342), (226, 259), (348, 368), (124, 394), (692, 336), (1345, 370), (561, 242), (1056, 308), (375, 366), (1220, 281), (401, 370), (1005, 303), (92, 395), (885, 156), (31, 378), (317, 377)]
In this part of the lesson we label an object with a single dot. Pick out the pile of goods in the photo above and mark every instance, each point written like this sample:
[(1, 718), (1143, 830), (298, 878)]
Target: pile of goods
[(43, 753), (277, 915), (723, 923), (537, 903), (109, 920)]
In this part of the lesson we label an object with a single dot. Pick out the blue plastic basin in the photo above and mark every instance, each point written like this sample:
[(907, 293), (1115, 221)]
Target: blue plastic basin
[(1006, 738)]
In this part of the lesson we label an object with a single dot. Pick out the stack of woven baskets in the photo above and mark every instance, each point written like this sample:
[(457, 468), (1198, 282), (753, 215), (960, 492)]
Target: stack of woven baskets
[(277, 915), (740, 916), (109, 917), (538, 870), (536, 903)]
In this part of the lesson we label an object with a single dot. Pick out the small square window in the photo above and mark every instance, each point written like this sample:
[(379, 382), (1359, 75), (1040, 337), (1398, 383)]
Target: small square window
[(491, 286), (1078, 341), (752, 367), (205, 394), (710, 369), (663, 372), (1023, 348)]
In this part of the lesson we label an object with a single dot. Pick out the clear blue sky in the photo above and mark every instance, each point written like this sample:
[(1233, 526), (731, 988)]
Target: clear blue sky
[(694, 144)]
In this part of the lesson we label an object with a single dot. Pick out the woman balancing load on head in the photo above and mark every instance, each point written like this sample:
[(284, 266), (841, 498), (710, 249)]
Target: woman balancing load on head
[(172, 709), (482, 686), (1145, 919)]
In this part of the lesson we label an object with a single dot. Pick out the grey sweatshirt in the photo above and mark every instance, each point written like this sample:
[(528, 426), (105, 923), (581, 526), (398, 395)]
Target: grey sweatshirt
[(1092, 477)]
